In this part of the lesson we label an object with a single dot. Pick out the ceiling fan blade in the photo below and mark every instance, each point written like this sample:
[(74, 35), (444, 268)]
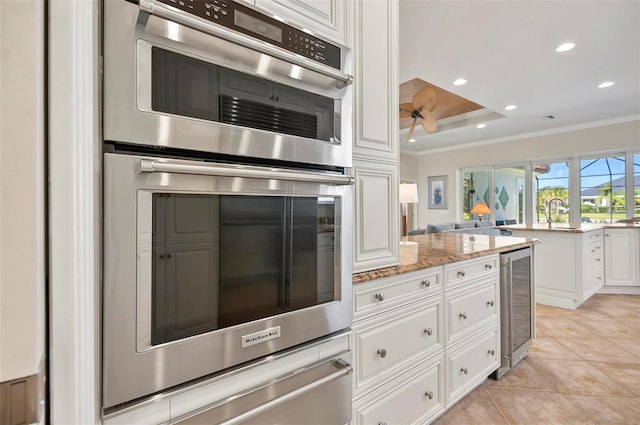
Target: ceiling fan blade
[(405, 110), (425, 99), (413, 127), (428, 122)]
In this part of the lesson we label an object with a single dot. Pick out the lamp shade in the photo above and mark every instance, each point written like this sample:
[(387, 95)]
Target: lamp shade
[(408, 193), (480, 209)]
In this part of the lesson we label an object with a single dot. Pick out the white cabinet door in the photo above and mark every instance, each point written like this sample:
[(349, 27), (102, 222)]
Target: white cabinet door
[(376, 206), (621, 257), (326, 18), (376, 79)]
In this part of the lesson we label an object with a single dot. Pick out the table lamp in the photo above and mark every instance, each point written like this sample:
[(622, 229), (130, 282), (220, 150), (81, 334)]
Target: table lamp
[(480, 209), (408, 195)]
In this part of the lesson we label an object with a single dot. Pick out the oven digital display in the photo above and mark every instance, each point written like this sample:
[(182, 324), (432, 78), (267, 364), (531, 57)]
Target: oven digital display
[(256, 25)]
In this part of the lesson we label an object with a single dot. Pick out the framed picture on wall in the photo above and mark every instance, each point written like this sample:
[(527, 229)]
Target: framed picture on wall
[(437, 192)]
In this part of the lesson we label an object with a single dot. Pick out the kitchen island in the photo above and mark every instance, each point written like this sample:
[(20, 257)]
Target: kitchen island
[(573, 263), (427, 331)]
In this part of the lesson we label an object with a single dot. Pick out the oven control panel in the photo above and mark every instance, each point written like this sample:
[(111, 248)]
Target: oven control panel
[(248, 21)]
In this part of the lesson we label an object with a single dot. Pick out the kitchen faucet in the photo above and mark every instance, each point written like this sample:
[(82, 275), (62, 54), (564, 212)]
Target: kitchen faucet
[(549, 211)]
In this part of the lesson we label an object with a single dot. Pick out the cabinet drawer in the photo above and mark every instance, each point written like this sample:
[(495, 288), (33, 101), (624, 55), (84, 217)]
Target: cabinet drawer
[(463, 272), (417, 396), (392, 292), (593, 236), (469, 364), (470, 308), (385, 344)]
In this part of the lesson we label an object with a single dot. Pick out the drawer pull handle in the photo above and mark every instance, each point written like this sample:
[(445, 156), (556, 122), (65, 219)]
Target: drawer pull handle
[(428, 331), (599, 277), (382, 353), (461, 273), (464, 370), (593, 251), (489, 303), (463, 316), (429, 394), (382, 423), (488, 266), (426, 283), (597, 259), (491, 352), (379, 296)]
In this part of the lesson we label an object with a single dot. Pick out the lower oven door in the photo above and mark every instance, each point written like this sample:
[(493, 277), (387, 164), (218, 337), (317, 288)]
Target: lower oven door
[(317, 395), (207, 266)]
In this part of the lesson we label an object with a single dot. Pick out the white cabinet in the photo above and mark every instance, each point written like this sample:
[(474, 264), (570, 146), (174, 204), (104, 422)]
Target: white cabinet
[(376, 242), (375, 145), (470, 362), (567, 271), (423, 340), (621, 257), (414, 397), (376, 101), (326, 18)]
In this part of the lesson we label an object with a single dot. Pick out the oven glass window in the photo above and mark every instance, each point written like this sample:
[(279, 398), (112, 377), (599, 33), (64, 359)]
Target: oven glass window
[(223, 260), (189, 87)]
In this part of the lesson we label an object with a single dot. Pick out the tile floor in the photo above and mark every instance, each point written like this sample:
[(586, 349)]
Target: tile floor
[(583, 368)]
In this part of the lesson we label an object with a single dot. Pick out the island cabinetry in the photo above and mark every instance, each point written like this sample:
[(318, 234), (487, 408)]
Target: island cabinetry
[(621, 257), (423, 340), (472, 323), (568, 265)]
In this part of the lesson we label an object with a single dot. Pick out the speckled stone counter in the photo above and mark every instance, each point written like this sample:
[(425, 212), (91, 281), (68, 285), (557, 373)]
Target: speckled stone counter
[(435, 249), (584, 227)]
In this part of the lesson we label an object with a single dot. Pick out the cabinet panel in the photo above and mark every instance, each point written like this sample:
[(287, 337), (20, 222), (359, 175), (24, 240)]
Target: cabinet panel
[(376, 207), (621, 257), (463, 272), (470, 364), (385, 294), (417, 396), (376, 85), (468, 309), (384, 343), (325, 17)]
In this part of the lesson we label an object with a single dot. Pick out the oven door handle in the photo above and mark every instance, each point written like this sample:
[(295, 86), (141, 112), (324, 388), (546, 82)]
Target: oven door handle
[(242, 407), (161, 10), (152, 166)]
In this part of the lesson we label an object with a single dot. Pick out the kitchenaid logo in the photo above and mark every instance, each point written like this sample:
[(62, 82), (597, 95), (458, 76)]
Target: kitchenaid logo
[(262, 336)]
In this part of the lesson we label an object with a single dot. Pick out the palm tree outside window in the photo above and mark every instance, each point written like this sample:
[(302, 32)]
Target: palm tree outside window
[(602, 189)]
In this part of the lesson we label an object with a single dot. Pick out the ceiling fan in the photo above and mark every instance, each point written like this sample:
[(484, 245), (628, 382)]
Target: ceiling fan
[(423, 102)]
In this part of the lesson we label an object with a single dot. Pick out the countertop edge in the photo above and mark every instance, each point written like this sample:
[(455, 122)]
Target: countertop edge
[(427, 255)]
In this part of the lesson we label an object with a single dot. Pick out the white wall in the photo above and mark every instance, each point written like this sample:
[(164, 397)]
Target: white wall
[(609, 138), (22, 188)]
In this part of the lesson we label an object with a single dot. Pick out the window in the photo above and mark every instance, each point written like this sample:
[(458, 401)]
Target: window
[(475, 189), (551, 183), (602, 189), (509, 201)]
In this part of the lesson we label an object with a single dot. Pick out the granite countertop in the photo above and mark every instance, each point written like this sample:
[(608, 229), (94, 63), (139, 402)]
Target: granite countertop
[(560, 227), (435, 249)]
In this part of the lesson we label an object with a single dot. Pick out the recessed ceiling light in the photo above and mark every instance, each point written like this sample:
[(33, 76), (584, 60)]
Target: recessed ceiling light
[(605, 84), (481, 126), (412, 140), (565, 47), (459, 82), (510, 107)]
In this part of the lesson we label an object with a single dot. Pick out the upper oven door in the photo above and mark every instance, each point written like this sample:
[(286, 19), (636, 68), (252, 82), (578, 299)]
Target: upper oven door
[(175, 80), (211, 265)]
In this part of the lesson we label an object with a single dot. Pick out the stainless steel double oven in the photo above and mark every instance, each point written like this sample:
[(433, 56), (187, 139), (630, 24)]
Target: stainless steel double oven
[(227, 192)]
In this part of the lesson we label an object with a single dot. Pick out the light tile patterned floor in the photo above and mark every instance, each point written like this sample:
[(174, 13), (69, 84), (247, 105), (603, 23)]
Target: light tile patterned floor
[(584, 368)]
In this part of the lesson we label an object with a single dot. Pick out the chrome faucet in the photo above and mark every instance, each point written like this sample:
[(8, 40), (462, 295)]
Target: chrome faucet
[(549, 209)]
